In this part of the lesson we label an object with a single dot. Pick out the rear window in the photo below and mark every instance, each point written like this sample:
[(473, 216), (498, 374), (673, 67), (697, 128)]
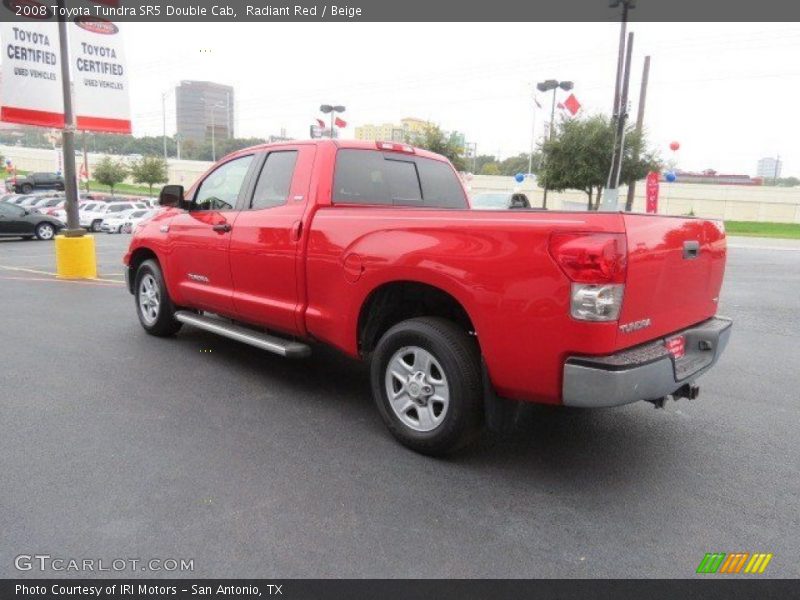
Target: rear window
[(372, 177)]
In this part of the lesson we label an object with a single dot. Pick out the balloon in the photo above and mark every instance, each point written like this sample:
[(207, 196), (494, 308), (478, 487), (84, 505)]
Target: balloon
[(670, 176), (519, 177), (674, 146), (8, 162)]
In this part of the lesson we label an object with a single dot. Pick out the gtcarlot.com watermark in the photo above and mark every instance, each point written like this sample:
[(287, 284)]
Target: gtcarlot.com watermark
[(46, 563)]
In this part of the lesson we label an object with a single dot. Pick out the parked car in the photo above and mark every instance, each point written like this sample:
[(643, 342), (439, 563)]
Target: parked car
[(115, 222), (37, 181), (20, 198), (43, 204), (499, 201), (16, 221), (8, 197), (92, 219), (372, 248)]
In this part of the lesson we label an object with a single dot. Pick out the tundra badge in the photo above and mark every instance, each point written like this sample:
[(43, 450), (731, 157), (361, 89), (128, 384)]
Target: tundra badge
[(634, 325)]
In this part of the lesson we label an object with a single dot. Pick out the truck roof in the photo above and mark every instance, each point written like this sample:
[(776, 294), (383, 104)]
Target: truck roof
[(354, 144)]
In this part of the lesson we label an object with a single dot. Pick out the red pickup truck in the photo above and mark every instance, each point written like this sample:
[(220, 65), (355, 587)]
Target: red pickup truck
[(372, 248)]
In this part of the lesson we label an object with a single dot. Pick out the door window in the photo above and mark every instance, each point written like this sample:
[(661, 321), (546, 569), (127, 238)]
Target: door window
[(221, 188), (275, 180)]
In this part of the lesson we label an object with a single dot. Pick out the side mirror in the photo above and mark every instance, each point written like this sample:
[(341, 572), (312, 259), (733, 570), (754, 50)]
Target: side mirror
[(171, 195)]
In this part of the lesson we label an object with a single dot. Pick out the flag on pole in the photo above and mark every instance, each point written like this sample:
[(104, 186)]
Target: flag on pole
[(536, 101), (321, 123), (572, 105), (340, 122)]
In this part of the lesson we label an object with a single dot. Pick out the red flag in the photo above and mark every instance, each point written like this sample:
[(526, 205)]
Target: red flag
[(321, 123), (572, 104), (340, 123)]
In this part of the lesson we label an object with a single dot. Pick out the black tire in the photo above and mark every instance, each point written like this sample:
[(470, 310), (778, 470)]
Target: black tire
[(45, 231), (459, 357), (96, 224), (26, 188), (60, 187), (164, 324)]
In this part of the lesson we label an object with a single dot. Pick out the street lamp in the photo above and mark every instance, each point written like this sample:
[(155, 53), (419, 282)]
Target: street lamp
[(620, 106), (219, 104), (544, 87), (332, 109)]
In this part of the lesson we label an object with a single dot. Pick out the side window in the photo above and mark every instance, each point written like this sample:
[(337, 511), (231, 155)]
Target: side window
[(372, 177), (275, 180), (220, 189)]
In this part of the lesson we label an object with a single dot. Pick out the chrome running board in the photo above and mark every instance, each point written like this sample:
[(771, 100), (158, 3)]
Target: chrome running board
[(265, 341)]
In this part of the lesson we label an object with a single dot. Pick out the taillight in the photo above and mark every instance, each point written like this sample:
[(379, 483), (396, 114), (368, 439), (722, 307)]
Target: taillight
[(590, 257), (596, 264)]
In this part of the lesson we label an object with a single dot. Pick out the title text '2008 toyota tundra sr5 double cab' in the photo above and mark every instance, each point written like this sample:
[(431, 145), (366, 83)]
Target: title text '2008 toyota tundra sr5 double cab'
[(372, 248)]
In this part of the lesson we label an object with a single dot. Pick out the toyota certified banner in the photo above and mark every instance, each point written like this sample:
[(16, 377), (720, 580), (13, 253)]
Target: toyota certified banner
[(99, 76), (31, 87), (31, 91)]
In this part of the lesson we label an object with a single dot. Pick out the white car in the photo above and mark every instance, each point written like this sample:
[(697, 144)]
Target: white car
[(61, 213), (125, 222), (93, 219)]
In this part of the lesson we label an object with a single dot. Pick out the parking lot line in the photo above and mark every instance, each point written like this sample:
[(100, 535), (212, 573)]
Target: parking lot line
[(38, 272)]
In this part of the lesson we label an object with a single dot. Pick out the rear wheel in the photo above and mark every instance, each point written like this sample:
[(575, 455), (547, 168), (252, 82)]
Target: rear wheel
[(27, 188), (153, 305), (426, 381), (45, 231), (96, 224)]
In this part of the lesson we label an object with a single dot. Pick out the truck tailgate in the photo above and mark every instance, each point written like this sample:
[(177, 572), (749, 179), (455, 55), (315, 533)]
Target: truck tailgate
[(675, 270)]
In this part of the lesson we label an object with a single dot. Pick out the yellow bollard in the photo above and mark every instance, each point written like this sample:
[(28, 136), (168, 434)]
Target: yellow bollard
[(75, 257)]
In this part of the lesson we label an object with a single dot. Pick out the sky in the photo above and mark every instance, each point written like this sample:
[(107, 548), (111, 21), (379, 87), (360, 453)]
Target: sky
[(727, 92)]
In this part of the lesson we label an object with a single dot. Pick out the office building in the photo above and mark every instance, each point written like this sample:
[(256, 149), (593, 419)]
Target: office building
[(769, 168), (203, 106)]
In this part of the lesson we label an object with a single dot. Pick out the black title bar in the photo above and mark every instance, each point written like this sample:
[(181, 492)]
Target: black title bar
[(405, 10)]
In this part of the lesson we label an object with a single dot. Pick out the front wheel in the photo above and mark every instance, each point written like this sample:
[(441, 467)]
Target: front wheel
[(426, 381), (96, 225), (153, 305), (27, 188), (45, 231)]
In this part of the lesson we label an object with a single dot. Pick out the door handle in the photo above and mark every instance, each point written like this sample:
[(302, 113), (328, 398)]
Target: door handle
[(222, 227), (297, 231)]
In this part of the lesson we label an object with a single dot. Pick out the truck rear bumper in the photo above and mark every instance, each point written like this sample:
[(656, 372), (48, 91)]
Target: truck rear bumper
[(647, 372)]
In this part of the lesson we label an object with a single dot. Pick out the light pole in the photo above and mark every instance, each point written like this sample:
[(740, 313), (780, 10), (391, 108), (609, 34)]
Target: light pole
[(332, 109), (610, 200), (546, 86), (164, 121), (219, 104)]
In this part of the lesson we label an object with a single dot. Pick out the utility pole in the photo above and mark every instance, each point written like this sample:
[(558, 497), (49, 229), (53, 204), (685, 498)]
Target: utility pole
[(533, 134), (164, 121), (68, 136), (611, 198), (213, 145), (639, 127), (775, 171), (85, 160)]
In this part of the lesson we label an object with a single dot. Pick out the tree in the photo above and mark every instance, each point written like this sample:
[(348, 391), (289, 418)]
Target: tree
[(579, 157), (491, 168), (110, 172), (435, 140), (150, 170)]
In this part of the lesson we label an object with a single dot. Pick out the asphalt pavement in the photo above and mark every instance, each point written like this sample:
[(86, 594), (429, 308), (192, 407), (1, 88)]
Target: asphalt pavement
[(115, 444)]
